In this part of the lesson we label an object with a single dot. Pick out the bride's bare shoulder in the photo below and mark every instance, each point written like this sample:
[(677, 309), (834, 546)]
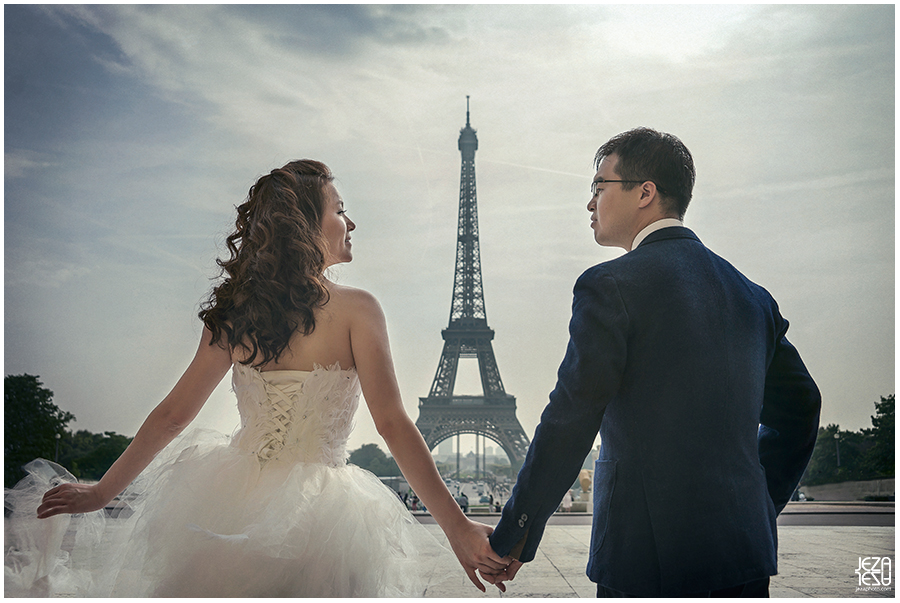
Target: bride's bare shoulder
[(353, 299)]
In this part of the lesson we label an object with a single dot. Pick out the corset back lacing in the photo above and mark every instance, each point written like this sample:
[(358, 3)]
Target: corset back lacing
[(275, 423)]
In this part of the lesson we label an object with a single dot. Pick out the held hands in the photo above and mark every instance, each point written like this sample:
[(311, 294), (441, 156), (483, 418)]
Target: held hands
[(473, 550), (70, 498), (504, 575)]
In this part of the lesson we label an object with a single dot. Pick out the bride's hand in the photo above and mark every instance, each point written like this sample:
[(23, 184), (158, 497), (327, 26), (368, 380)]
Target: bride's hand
[(473, 550), (70, 498)]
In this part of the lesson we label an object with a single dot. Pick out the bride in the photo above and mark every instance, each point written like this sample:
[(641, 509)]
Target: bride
[(274, 510)]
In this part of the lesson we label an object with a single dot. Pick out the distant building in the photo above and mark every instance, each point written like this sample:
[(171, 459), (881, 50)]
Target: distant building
[(445, 448)]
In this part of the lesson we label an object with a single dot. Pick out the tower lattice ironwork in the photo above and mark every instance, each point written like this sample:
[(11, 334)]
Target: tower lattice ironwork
[(493, 414)]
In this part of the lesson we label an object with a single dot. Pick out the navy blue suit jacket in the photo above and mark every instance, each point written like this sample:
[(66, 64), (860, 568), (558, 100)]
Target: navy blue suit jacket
[(707, 418)]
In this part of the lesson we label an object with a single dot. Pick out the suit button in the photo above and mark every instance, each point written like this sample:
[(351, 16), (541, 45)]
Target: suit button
[(522, 520)]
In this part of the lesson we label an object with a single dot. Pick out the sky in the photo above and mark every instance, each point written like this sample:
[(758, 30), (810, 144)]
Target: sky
[(132, 132)]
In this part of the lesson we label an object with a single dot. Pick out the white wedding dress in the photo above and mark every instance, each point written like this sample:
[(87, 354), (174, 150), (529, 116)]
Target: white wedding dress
[(274, 510)]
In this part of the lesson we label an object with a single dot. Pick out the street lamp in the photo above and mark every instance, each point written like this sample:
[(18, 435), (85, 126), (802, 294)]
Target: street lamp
[(56, 458), (837, 447)]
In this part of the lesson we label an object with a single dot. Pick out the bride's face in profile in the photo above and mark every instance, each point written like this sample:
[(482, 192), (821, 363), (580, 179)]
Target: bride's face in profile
[(336, 227)]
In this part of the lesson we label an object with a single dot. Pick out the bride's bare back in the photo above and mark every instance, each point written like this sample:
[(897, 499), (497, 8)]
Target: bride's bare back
[(330, 342)]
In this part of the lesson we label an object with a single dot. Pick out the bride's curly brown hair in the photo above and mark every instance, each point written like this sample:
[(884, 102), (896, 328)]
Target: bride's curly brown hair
[(274, 280)]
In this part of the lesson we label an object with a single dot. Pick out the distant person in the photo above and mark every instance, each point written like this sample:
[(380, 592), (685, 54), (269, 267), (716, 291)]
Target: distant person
[(567, 501), (276, 510), (463, 502), (706, 413)]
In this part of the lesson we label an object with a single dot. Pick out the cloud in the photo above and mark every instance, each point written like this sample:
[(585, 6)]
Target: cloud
[(880, 177), (346, 29), (21, 163), (255, 69), (43, 273), (672, 33)]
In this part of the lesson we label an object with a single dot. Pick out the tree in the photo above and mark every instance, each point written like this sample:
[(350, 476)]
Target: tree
[(836, 459), (371, 458), (854, 455), (502, 470), (89, 455), (31, 424), (879, 458)]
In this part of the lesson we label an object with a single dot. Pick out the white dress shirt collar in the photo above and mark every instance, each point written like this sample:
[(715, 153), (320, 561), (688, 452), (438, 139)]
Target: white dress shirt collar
[(653, 227)]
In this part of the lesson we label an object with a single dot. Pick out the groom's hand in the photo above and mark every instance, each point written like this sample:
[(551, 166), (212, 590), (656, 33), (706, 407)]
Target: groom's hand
[(504, 575)]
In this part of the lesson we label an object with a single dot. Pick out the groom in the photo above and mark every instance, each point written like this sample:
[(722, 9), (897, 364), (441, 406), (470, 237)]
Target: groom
[(706, 413)]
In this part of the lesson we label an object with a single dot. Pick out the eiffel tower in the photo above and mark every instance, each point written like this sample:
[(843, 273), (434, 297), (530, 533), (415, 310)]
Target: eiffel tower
[(492, 414)]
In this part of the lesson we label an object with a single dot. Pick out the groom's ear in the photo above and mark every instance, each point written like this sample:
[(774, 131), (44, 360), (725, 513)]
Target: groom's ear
[(649, 192)]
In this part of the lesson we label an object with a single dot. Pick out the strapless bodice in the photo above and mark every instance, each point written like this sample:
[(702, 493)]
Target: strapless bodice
[(296, 416)]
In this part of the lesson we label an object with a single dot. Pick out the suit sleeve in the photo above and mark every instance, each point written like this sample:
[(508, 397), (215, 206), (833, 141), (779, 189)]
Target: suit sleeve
[(588, 379), (789, 420)]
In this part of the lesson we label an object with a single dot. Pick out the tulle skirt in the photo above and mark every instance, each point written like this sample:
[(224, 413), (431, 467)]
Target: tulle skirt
[(209, 520)]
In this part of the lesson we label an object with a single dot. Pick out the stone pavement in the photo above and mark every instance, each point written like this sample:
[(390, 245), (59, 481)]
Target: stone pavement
[(813, 561)]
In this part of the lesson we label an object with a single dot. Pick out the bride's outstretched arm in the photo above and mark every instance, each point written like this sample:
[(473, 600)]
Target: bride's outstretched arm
[(372, 355), (166, 421)]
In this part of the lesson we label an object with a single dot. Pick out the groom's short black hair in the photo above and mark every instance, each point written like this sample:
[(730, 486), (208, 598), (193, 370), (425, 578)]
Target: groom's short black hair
[(645, 154)]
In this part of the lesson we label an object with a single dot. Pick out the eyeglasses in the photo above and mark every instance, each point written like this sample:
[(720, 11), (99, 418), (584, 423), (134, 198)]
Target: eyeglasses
[(596, 182)]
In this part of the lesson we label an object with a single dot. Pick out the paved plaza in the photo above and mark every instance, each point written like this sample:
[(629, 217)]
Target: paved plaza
[(813, 561)]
